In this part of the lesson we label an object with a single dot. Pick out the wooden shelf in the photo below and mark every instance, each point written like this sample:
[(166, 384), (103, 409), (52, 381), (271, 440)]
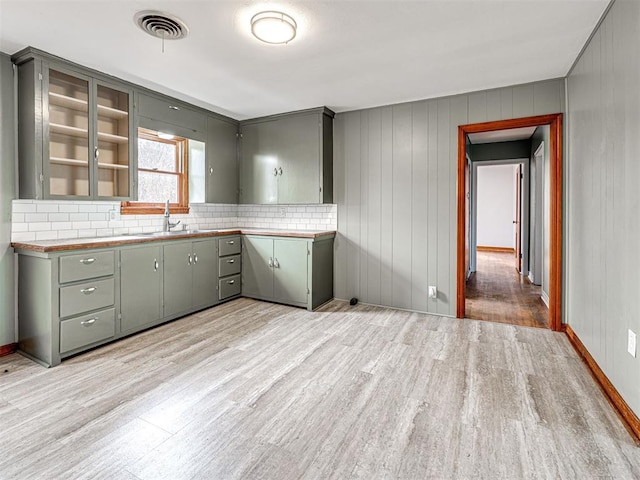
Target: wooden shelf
[(113, 166), (81, 106), (109, 137), (67, 130), (72, 162), (111, 112), (68, 102)]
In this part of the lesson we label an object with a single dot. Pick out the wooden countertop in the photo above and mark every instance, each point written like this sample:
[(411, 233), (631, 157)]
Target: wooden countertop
[(46, 246)]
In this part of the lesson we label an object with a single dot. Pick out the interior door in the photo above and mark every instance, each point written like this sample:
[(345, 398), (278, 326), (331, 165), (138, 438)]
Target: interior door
[(518, 221), (467, 217)]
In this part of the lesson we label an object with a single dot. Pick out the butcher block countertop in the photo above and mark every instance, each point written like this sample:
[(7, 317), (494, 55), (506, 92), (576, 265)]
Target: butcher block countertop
[(46, 246)]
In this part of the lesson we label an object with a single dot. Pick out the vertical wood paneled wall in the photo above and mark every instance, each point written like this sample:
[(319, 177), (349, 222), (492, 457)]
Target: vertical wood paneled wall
[(395, 187), (603, 265)]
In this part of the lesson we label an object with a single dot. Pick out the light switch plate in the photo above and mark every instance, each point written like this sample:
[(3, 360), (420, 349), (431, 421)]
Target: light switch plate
[(631, 344), (433, 292)]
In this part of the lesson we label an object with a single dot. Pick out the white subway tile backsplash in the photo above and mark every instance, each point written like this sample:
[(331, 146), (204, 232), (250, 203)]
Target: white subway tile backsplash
[(39, 226), (58, 217), (36, 217), (68, 207), (46, 207), (73, 219), (51, 235), (78, 217)]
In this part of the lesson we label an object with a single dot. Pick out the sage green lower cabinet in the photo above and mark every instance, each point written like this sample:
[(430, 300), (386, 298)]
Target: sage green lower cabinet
[(140, 287), (190, 276), (67, 302), (293, 271)]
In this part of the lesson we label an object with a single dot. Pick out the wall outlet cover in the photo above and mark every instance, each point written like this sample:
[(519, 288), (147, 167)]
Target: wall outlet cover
[(631, 343), (433, 292)]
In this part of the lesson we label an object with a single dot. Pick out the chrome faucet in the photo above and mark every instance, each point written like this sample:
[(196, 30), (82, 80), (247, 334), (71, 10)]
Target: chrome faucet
[(167, 225)]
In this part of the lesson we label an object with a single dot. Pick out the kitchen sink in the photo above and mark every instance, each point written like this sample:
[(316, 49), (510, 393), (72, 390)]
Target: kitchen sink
[(175, 232)]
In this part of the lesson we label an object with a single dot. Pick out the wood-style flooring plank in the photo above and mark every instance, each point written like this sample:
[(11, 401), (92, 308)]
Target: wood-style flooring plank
[(496, 292), (257, 390)]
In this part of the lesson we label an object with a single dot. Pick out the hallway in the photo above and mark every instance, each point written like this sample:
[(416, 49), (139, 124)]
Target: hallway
[(497, 293)]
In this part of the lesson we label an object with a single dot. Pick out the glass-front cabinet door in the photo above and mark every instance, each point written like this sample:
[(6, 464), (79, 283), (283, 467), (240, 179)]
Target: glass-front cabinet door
[(113, 142), (69, 139), (89, 138)]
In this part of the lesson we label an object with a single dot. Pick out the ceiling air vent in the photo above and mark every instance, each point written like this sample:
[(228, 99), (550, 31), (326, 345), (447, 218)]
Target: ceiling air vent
[(161, 25)]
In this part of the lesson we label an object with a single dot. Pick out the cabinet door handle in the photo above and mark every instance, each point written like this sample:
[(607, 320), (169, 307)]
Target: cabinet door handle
[(88, 291), (280, 171), (275, 172), (155, 265), (231, 282), (195, 258), (173, 107), (87, 261), (210, 170), (189, 259), (271, 262), (276, 264), (96, 153), (89, 322), (231, 261)]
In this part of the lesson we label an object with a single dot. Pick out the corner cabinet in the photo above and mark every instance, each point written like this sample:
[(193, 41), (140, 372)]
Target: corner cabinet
[(287, 159), (292, 271), (76, 134)]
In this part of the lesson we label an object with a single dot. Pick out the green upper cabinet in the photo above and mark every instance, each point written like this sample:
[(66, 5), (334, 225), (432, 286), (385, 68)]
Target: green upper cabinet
[(76, 134), (221, 161), (287, 159), (168, 115)]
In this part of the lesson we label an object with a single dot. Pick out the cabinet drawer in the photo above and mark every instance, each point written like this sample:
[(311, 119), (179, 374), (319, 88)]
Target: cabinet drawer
[(87, 265), (228, 287), (171, 111), (85, 297), (228, 246), (78, 332), (229, 265)]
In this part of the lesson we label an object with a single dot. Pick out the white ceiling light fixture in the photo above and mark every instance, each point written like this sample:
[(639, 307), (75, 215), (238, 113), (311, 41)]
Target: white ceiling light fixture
[(273, 27)]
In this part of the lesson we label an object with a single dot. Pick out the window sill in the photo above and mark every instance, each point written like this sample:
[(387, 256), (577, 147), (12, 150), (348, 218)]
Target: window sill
[(147, 209)]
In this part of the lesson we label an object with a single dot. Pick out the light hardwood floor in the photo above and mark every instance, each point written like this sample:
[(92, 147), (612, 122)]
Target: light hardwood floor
[(498, 293), (256, 390)]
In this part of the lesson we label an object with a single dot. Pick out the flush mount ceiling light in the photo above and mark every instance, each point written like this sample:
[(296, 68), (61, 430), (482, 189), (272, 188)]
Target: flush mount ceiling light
[(273, 27)]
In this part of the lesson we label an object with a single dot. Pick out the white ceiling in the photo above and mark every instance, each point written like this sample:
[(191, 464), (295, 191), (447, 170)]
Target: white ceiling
[(509, 135), (347, 55)]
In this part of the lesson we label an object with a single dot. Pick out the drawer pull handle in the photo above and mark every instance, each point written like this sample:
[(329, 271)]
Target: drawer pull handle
[(173, 107), (87, 261), (231, 282), (231, 261), (230, 242), (88, 291), (88, 322)]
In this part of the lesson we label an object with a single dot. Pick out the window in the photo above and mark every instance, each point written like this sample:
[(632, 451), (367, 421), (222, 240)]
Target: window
[(163, 166)]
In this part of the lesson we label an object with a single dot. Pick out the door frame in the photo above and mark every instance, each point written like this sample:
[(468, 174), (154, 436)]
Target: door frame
[(555, 222)]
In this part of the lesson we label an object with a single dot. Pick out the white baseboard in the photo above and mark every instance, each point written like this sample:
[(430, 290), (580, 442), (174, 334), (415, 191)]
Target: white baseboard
[(545, 298)]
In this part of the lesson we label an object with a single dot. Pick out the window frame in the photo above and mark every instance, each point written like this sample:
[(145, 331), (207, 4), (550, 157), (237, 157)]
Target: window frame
[(182, 172)]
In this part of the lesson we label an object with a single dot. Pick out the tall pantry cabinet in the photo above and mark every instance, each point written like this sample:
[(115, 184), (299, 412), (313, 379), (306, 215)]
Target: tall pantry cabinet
[(76, 134)]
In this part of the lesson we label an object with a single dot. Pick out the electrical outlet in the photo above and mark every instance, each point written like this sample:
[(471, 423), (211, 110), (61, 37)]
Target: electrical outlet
[(283, 212), (631, 343), (114, 215), (433, 292)]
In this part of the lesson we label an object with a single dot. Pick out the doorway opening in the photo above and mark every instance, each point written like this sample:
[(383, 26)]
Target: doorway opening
[(522, 261)]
